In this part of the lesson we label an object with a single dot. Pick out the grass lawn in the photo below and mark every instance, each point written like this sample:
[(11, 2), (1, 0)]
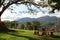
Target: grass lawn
[(25, 35)]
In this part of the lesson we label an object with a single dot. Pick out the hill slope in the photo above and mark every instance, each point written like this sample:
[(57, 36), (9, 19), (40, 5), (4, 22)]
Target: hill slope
[(41, 19)]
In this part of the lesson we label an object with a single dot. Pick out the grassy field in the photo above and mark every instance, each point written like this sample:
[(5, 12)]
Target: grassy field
[(25, 35)]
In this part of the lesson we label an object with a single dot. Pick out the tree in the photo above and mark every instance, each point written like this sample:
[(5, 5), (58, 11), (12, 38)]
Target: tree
[(28, 25), (4, 4), (7, 23), (44, 25), (57, 26), (36, 26), (35, 23), (21, 26), (54, 6), (3, 27), (10, 24), (48, 27)]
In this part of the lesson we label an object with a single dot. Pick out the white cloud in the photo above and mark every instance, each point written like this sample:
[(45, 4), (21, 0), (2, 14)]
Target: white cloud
[(36, 1), (7, 15)]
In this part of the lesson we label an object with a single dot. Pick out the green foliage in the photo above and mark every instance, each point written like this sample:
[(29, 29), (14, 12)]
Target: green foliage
[(36, 23), (3, 27), (28, 26), (10, 24), (28, 23), (31, 25), (7, 23), (22, 26), (49, 2), (55, 1), (43, 25), (57, 6)]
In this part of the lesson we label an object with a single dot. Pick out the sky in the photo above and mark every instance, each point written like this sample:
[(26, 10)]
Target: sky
[(7, 15)]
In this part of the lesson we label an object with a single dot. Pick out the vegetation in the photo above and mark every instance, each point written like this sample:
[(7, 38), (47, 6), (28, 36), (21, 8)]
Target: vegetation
[(26, 35), (57, 5), (7, 3), (21, 26), (31, 25)]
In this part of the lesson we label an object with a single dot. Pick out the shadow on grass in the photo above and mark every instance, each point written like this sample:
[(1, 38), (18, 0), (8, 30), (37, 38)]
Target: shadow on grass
[(2, 39), (12, 31), (8, 31), (30, 38), (55, 36), (15, 31)]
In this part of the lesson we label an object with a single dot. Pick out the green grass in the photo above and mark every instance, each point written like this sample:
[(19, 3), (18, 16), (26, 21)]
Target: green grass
[(25, 35)]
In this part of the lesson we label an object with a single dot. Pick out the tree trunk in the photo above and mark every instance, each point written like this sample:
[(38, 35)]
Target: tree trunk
[(51, 33), (0, 21), (43, 32), (3, 28), (36, 31)]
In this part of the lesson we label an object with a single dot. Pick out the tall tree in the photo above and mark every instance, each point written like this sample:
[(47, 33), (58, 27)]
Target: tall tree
[(21, 26), (36, 26), (4, 4), (28, 25)]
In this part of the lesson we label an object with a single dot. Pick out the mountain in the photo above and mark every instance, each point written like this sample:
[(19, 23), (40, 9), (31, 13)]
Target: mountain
[(40, 19), (27, 19), (48, 19)]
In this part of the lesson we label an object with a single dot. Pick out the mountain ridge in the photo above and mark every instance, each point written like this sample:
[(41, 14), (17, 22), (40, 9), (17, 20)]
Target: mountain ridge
[(40, 19)]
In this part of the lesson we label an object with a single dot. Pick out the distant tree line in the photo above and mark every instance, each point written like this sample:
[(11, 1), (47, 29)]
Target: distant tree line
[(31, 25)]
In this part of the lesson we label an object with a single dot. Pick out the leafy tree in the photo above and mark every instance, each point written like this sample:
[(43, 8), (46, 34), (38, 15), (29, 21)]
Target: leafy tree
[(7, 23), (21, 26), (47, 24), (57, 26), (54, 6), (44, 25), (5, 4), (36, 26), (49, 27), (3, 27), (35, 23), (14, 24), (28, 25)]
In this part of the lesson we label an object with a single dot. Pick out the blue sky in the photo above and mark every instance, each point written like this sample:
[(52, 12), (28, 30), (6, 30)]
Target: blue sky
[(7, 15)]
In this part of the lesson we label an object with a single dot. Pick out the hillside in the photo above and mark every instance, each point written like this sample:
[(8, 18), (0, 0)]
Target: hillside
[(41, 19)]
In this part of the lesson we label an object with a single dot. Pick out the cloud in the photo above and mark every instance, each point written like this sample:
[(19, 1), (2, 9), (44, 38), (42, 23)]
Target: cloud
[(7, 15)]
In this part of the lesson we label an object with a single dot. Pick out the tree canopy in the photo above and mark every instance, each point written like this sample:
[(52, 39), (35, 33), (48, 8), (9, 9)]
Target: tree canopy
[(56, 5), (4, 4)]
